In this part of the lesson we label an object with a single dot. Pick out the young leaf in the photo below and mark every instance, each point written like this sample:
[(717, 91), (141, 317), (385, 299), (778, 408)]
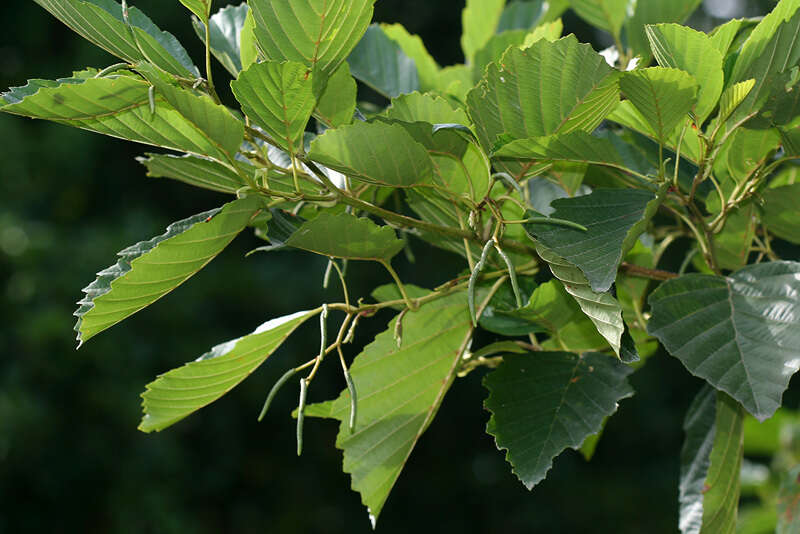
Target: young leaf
[(654, 12), (414, 48), (380, 63), (740, 333), (614, 218), (602, 308), (225, 29), (199, 172), (567, 86), (201, 8), (345, 236), (376, 152), (120, 107), (608, 15), (399, 392), (479, 20), (184, 390), (770, 51), (710, 463), (544, 402), (150, 269), (683, 48), (320, 34), (279, 97), (337, 103), (102, 22), (663, 96)]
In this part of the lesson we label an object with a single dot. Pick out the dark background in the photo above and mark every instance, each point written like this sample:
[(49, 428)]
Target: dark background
[(71, 459)]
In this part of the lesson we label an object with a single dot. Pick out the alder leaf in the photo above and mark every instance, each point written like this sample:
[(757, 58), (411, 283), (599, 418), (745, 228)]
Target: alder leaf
[(545, 402), (279, 97), (381, 63), (741, 333), (102, 23), (225, 30), (201, 8), (479, 19), (337, 103), (199, 172), (608, 15), (414, 48), (399, 391), (654, 12), (150, 269), (346, 236), (184, 390)]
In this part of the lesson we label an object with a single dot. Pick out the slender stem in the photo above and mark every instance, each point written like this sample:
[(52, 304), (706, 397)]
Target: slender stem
[(638, 271), (209, 77), (342, 280), (409, 303)]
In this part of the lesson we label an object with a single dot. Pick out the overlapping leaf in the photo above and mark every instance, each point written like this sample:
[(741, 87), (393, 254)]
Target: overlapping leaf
[(662, 95), (740, 333), (710, 463), (381, 63), (375, 152), (184, 390), (399, 390), (613, 218), (654, 12), (543, 403), (780, 212), (320, 34), (548, 88), (199, 172), (578, 147), (523, 15), (479, 19), (225, 31), (414, 48), (337, 103), (150, 269), (683, 48), (201, 8), (346, 236), (494, 49), (119, 106), (279, 97), (102, 22), (608, 15)]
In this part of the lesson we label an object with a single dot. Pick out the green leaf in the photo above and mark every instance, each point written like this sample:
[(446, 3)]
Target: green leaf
[(380, 63), (683, 48), (432, 109), (102, 23), (544, 402), (279, 97), (184, 390), (614, 219), (723, 35), (119, 106), (788, 501), (337, 103), (732, 245), (414, 48), (479, 19), (749, 149), (578, 147), (733, 96), (346, 236), (248, 50), (320, 34), (201, 8), (608, 15), (524, 15), (566, 85), (199, 172), (388, 292), (225, 31), (711, 459), (494, 49), (663, 96), (376, 152), (602, 308), (780, 212), (740, 333), (654, 12), (150, 269), (769, 53), (399, 392)]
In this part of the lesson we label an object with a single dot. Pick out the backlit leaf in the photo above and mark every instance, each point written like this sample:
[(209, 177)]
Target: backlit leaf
[(225, 29), (608, 15), (479, 19), (201, 8)]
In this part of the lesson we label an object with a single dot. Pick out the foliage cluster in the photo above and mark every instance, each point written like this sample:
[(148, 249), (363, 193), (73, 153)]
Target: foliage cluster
[(562, 177)]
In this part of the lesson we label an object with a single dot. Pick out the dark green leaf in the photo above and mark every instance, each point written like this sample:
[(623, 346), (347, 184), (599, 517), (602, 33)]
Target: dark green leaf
[(195, 171), (279, 97), (184, 390), (613, 218), (346, 236), (663, 96), (524, 15), (380, 63), (544, 402), (699, 426), (414, 48), (377, 152), (780, 212), (320, 34), (150, 269), (740, 333), (102, 22), (225, 29), (399, 392)]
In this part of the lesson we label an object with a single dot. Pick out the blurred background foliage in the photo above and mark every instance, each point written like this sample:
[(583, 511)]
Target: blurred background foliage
[(71, 459)]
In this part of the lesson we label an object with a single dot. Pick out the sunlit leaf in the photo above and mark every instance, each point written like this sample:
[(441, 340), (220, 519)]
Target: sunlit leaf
[(201, 8), (337, 103), (479, 19), (608, 15), (654, 12), (663, 96)]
